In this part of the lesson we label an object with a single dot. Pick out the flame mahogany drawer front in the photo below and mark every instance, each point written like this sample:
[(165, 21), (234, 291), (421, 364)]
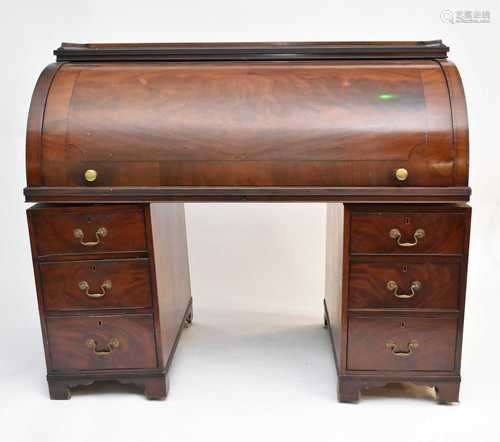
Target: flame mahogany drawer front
[(401, 344), (104, 284), (102, 342), (89, 229), (404, 284), (407, 232)]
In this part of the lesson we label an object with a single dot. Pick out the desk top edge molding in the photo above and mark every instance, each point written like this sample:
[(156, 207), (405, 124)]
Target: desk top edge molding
[(285, 51)]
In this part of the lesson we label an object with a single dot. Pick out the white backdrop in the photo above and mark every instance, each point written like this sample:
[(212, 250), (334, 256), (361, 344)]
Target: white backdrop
[(256, 364)]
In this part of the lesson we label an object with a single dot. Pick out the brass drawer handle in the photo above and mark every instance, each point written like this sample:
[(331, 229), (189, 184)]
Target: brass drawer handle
[(101, 232), (412, 345), (393, 287), (84, 286), (108, 349), (396, 234)]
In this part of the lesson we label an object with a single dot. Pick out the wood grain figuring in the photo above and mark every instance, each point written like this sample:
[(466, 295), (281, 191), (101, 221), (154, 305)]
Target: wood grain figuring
[(439, 284), (249, 124), (68, 336), (243, 113), (368, 336), (444, 232), (54, 229), (131, 287)]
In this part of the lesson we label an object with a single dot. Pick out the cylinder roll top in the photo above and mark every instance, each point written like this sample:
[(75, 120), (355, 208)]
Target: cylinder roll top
[(374, 122)]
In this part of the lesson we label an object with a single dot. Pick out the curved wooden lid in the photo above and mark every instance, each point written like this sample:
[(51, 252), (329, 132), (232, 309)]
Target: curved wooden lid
[(235, 121)]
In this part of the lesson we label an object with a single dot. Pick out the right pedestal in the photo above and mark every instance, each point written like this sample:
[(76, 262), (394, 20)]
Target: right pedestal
[(395, 295)]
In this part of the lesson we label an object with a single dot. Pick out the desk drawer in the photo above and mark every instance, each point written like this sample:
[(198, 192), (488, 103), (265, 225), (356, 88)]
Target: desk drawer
[(401, 344), (407, 232), (101, 342), (89, 229), (404, 284), (106, 284)]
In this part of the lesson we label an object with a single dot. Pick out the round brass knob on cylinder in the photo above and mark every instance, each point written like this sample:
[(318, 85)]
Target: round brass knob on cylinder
[(90, 175), (401, 174)]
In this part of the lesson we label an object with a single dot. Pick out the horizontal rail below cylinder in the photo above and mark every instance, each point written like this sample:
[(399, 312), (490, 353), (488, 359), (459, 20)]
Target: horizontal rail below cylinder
[(221, 194)]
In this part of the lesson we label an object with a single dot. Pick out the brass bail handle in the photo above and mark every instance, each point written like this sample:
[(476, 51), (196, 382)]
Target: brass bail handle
[(396, 234), (101, 232), (85, 287), (393, 287), (412, 345), (113, 344)]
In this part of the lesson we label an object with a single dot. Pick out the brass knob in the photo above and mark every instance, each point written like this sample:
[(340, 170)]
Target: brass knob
[(90, 175), (401, 174)]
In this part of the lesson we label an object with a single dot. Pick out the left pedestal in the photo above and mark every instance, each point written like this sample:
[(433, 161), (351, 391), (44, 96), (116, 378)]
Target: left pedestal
[(113, 292)]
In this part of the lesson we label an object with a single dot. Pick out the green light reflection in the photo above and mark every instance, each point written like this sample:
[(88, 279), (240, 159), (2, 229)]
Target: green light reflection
[(385, 97)]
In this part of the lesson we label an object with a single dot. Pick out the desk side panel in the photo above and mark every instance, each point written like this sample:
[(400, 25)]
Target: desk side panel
[(171, 269), (335, 245)]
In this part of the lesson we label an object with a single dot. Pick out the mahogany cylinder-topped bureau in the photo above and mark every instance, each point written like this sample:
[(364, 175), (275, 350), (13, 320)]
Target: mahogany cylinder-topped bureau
[(121, 135)]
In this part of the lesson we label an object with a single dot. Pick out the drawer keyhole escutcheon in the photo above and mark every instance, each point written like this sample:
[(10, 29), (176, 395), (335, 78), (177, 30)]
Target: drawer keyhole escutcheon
[(113, 344), (101, 232), (394, 288), (396, 234), (85, 287), (412, 345)]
